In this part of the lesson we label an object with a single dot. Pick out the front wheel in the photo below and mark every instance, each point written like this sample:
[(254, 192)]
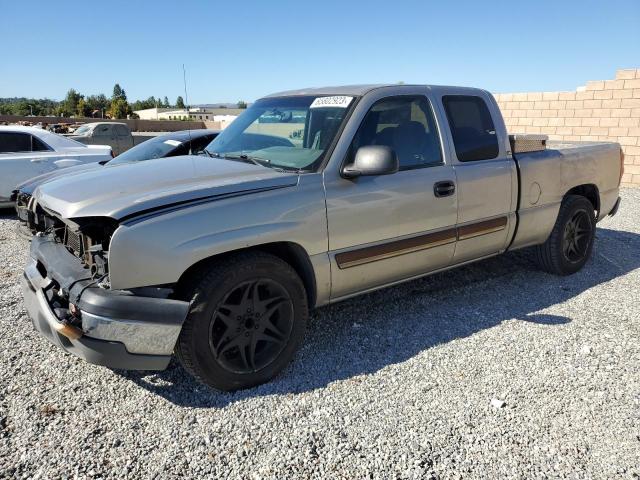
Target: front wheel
[(569, 246), (247, 318)]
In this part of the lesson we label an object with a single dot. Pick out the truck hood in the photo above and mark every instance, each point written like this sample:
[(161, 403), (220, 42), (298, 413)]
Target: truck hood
[(125, 190)]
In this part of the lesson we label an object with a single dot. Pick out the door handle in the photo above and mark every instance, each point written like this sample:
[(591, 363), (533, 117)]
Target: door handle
[(38, 160), (444, 189)]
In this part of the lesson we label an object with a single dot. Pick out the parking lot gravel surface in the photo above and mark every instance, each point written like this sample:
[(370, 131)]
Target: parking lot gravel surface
[(494, 370)]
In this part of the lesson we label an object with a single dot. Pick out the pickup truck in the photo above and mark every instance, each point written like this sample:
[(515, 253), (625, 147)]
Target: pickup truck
[(308, 198), (115, 134)]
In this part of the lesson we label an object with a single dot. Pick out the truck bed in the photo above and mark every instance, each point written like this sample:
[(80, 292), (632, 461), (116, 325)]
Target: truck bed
[(545, 175)]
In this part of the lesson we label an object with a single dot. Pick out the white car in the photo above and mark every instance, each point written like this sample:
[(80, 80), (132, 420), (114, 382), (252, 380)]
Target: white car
[(26, 152)]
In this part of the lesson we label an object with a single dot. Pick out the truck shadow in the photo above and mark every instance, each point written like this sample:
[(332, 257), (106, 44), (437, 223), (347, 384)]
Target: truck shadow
[(368, 333)]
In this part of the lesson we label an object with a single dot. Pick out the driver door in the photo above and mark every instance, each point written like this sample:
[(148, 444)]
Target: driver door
[(387, 228)]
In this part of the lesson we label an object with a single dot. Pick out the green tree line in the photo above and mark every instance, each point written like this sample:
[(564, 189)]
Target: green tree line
[(76, 104)]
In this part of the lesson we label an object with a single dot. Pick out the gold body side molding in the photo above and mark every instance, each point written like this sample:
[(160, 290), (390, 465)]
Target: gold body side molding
[(394, 248)]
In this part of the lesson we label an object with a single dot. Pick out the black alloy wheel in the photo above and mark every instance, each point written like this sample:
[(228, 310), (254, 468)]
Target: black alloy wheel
[(570, 243), (247, 317), (251, 326), (577, 236)]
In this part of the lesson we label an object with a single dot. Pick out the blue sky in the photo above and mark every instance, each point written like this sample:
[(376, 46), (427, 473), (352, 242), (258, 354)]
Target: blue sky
[(245, 49)]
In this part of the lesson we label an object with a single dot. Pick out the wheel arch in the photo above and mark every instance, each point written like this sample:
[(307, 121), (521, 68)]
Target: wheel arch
[(590, 192), (290, 252)]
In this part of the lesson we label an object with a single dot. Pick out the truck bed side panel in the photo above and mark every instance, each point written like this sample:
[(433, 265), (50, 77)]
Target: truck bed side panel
[(546, 177)]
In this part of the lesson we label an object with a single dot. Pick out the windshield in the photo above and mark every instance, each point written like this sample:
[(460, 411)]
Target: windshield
[(83, 130), (292, 133), (157, 147)]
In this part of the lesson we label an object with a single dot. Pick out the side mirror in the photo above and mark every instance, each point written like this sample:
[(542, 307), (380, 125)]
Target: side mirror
[(372, 160)]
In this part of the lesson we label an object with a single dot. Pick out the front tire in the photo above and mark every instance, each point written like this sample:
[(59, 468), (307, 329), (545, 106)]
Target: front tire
[(247, 318), (571, 241)]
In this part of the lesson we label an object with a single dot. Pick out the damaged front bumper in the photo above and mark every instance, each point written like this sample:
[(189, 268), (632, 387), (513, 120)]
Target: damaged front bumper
[(114, 328), (22, 201)]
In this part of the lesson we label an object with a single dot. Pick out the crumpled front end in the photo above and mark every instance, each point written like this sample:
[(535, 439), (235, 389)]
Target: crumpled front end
[(134, 330), (22, 201)]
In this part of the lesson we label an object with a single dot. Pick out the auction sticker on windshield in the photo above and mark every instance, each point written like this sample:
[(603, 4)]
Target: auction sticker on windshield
[(339, 101), (175, 143)]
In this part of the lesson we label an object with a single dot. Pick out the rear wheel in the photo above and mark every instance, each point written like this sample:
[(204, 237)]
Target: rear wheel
[(569, 246), (247, 319)]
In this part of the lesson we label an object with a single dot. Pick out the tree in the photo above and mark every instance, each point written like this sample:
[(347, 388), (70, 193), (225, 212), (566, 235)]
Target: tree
[(69, 105), (150, 102), (166, 102), (81, 109), (25, 107), (96, 104), (119, 108), (241, 104), (179, 102), (118, 93)]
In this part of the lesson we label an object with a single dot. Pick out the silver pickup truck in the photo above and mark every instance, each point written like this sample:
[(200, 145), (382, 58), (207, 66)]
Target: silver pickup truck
[(117, 135), (310, 197)]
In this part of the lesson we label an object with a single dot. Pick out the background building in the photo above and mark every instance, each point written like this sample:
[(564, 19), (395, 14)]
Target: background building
[(206, 114)]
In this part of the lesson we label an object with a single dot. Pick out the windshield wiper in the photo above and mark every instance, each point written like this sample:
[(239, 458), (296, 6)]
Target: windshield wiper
[(263, 162), (289, 170), (210, 154)]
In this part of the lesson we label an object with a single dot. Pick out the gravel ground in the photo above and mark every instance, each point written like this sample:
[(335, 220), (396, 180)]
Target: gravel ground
[(495, 370)]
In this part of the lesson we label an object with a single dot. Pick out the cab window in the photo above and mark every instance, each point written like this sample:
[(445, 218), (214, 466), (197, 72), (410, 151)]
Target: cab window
[(101, 130), (474, 135), (122, 131), (405, 124)]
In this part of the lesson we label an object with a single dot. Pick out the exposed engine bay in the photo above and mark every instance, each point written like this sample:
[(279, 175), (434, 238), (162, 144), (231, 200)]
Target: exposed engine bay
[(86, 238)]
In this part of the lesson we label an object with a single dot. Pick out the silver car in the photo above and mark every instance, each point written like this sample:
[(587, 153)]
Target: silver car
[(170, 144), (26, 152)]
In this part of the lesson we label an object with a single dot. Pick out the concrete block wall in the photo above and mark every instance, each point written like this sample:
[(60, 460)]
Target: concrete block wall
[(601, 110)]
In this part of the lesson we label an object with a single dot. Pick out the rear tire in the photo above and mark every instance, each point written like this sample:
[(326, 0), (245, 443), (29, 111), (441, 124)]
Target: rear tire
[(247, 319), (571, 241)]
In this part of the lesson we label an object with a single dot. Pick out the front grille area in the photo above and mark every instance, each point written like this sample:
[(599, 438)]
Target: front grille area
[(78, 244), (75, 238), (73, 241)]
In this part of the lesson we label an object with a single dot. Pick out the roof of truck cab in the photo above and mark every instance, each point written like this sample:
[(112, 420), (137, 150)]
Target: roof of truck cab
[(359, 90), (355, 90)]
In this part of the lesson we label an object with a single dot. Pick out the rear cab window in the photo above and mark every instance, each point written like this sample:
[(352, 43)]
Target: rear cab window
[(472, 128)]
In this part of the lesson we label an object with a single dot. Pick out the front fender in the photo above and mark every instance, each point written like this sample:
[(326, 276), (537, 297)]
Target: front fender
[(159, 249)]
